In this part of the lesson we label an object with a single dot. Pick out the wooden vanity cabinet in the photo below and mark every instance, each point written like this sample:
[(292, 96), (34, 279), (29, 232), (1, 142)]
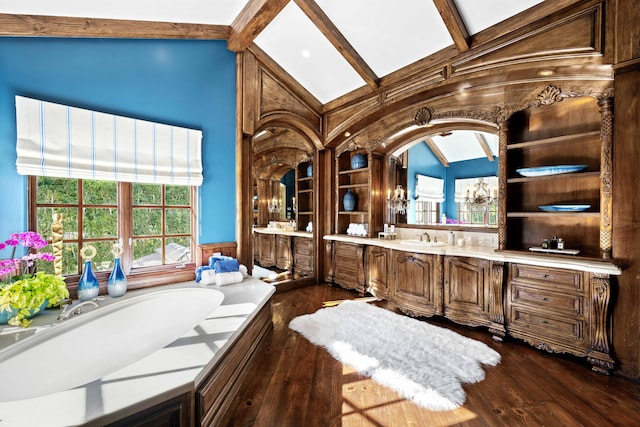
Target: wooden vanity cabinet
[(473, 293), (302, 256), (266, 250), (560, 310), (283, 251), (378, 265), (416, 286), (346, 265)]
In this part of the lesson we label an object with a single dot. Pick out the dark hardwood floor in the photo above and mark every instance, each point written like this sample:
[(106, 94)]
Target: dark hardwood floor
[(295, 383)]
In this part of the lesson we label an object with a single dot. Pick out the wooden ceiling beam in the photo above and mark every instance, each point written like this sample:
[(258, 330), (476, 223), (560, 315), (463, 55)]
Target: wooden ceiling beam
[(436, 151), (63, 26), (339, 41), (252, 19), (454, 23), (485, 146)]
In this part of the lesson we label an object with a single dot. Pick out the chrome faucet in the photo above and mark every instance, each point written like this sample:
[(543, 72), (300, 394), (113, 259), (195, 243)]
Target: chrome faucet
[(423, 235), (69, 310)]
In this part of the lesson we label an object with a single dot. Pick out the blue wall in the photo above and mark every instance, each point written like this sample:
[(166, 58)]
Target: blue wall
[(465, 169), (188, 83), (423, 161)]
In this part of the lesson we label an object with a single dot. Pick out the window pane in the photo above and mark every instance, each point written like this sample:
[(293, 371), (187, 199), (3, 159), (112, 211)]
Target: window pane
[(70, 258), (177, 250), (99, 222), (99, 192), (103, 261), (147, 252), (147, 194), (177, 195), (147, 222), (178, 221), (69, 222), (56, 190)]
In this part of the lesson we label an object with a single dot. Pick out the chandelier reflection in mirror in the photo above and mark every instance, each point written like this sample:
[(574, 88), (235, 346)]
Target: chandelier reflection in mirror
[(273, 205), (482, 198), (399, 202)]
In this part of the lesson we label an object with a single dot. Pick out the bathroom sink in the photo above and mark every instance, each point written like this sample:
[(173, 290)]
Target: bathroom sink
[(91, 345), (421, 244)]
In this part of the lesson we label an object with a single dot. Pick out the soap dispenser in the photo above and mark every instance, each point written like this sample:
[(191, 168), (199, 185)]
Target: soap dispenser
[(451, 238)]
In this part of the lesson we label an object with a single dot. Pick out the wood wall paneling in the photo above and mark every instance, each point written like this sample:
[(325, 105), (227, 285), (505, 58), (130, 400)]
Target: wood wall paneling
[(626, 222)]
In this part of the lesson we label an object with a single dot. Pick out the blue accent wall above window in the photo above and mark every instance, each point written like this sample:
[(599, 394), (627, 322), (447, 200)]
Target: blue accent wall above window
[(190, 83)]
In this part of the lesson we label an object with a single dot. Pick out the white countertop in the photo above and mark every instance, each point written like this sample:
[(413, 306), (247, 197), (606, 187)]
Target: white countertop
[(176, 369), (489, 253), (272, 230)]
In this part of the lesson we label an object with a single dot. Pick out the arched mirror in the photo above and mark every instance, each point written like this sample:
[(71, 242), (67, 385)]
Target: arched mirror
[(282, 205), (448, 177)]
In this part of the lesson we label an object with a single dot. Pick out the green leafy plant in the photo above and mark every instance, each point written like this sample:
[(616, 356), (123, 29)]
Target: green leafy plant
[(23, 291)]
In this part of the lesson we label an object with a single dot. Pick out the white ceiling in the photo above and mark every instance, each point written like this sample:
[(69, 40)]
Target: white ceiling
[(388, 35)]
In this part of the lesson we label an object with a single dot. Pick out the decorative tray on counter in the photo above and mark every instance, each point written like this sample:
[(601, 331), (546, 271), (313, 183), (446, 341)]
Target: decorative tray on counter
[(550, 170), (564, 208), (556, 251)]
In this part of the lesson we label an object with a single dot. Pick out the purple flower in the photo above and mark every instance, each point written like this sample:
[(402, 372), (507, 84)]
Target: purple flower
[(30, 240)]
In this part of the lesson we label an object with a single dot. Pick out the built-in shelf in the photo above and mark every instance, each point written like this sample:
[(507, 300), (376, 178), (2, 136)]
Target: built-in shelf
[(575, 175), (551, 214), (553, 140)]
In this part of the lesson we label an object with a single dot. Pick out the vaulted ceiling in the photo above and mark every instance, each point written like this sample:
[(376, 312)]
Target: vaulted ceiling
[(330, 47)]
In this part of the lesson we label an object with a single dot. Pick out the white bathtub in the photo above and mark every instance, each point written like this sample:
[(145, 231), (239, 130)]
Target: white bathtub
[(89, 346), (178, 367)]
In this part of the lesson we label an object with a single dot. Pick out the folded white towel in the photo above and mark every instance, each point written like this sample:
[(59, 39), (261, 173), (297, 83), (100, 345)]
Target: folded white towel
[(243, 269), (228, 278), (207, 277)]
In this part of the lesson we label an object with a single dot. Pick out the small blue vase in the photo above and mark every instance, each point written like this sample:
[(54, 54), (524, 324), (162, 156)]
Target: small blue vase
[(117, 283), (349, 201), (310, 171), (88, 287), (358, 161)]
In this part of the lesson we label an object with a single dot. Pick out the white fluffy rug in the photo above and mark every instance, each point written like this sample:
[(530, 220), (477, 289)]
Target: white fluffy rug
[(422, 362)]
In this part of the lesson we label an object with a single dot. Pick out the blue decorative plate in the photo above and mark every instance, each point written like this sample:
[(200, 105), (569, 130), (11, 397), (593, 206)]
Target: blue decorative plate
[(550, 170), (564, 208)]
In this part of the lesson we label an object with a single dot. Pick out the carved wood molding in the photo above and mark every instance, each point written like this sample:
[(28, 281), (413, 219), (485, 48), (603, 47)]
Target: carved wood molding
[(599, 356), (548, 96), (496, 307), (606, 176)]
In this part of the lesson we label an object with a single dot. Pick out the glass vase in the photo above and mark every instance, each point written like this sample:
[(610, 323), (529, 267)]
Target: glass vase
[(88, 287), (117, 283)]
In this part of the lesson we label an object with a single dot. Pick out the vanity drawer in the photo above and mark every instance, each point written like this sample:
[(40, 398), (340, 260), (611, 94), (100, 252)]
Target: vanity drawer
[(568, 304), (303, 246), (349, 265), (546, 327), (552, 278)]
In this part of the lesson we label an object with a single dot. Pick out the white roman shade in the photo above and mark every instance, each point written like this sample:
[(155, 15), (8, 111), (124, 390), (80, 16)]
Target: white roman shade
[(429, 189), (470, 184), (62, 141)]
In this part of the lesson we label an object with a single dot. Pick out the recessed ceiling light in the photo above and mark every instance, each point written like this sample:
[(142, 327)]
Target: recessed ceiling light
[(347, 134), (546, 73), (306, 53)]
